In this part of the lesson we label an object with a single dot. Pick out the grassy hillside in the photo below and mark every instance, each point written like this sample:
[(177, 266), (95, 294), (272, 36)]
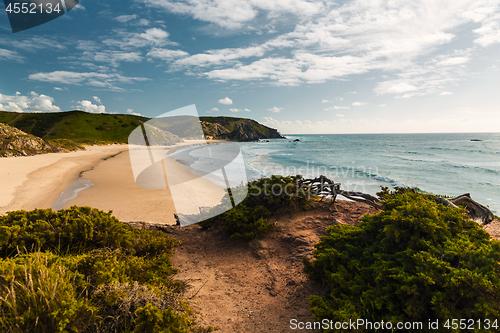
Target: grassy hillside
[(78, 126), (67, 128)]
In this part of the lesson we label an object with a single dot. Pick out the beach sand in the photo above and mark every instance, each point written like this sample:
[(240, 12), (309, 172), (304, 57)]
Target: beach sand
[(115, 189), (37, 181)]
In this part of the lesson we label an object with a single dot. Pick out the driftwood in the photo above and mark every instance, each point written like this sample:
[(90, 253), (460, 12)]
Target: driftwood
[(366, 198), (477, 212), (328, 188)]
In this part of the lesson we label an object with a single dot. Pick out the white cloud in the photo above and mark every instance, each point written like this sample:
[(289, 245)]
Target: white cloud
[(166, 54), (33, 102), (57, 88), (382, 105), (218, 57), (453, 61), (214, 109), (324, 101), (126, 18), (102, 80), (234, 110), (34, 44), (339, 115), (359, 103), (143, 22), (10, 55), (131, 111), (89, 107), (345, 39), (226, 101), (232, 14), (97, 99), (247, 110), (336, 107), (154, 37), (275, 109), (112, 57), (446, 93)]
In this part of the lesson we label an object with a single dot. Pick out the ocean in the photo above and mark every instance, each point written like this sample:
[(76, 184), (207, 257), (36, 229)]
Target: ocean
[(447, 164)]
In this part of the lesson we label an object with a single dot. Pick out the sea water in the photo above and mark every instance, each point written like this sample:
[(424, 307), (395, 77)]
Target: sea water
[(446, 164)]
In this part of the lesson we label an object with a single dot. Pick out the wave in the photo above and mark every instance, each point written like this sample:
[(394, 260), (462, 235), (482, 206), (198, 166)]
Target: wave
[(384, 179), (479, 169)]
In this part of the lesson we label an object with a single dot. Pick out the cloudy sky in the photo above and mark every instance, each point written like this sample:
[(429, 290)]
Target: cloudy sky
[(300, 66)]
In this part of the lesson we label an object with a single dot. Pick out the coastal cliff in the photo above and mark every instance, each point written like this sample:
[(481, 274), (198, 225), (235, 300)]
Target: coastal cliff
[(14, 142), (237, 129)]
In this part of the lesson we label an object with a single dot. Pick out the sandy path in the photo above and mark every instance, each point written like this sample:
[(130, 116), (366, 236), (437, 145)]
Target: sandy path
[(257, 286), (37, 181)]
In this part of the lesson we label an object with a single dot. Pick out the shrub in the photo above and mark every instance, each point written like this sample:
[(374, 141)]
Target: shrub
[(115, 270), (75, 230), (38, 295), (414, 261), (266, 197)]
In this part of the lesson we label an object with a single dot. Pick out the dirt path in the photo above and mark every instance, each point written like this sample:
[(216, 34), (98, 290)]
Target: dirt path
[(257, 286)]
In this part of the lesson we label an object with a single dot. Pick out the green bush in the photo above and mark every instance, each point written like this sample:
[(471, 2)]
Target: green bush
[(38, 295), (266, 197), (82, 270), (414, 261), (75, 230)]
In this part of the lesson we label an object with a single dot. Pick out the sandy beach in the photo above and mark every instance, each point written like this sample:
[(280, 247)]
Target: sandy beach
[(38, 181)]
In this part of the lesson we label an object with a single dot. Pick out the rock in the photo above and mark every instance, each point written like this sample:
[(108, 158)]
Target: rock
[(296, 140), (14, 142), (303, 312), (242, 129), (301, 242)]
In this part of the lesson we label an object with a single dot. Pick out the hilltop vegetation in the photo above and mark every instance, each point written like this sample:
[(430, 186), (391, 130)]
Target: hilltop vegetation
[(77, 126)]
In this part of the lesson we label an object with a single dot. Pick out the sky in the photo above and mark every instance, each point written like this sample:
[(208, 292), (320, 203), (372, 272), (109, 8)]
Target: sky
[(362, 66)]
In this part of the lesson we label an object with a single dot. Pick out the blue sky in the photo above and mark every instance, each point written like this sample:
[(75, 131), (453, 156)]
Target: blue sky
[(296, 65)]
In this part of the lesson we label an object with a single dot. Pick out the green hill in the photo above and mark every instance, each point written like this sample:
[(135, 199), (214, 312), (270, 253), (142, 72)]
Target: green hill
[(72, 128), (77, 126)]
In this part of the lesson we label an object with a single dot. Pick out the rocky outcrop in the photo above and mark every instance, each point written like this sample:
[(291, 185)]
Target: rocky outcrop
[(213, 130), (237, 129), (14, 142), (244, 132)]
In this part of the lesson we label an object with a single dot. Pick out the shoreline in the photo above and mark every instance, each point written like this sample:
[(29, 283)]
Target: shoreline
[(31, 182)]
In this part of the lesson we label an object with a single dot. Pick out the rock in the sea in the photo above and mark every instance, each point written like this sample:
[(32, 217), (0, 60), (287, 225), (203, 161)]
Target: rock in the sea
[(296, 140)]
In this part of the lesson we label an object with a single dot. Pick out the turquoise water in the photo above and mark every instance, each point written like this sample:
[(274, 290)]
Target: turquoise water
[(448, 164)]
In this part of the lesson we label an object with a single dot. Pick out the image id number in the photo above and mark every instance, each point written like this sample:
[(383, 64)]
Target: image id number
[(32, 8)]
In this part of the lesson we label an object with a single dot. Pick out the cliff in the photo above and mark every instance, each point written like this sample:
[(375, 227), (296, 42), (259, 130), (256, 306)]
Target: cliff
[(237, 129), (14, 142)]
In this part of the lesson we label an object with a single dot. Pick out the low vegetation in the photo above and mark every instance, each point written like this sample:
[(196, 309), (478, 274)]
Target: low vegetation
[(81, 270), (416, 260), (266, 197)]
